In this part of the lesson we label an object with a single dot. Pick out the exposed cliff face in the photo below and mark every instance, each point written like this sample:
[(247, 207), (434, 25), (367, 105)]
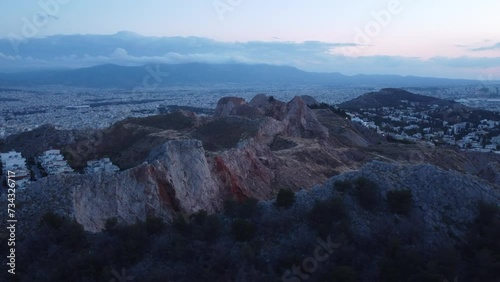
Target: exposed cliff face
[(295, 118), (175, 179), (187, 174), (128, 196), (226, 105), (302, 122), (248, 150), (246, 171)]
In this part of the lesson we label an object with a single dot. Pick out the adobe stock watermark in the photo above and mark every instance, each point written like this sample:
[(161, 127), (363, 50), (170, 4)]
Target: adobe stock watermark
[(48, 11), (150, 81), (121, 277), (488, 84), (156, 76), (222, 7), (310, 264), (487, 80), (380, 20)]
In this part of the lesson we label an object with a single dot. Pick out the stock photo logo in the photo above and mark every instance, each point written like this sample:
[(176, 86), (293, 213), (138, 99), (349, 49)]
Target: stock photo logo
[(309, 265), (121, 276), (223, 7), (48, 11), (380, 20)]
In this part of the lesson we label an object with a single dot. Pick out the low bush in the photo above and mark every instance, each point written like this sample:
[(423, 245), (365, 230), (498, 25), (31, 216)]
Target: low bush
[(343, 274), (242, 230), (343, 186), (154, 225), (324, 213), (53, 220), (240, 209), (367, 193), (400, 201), (285, 198), (110, 224)]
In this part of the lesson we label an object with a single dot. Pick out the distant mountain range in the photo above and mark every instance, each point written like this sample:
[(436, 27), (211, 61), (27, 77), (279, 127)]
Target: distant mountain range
[(128, 77)]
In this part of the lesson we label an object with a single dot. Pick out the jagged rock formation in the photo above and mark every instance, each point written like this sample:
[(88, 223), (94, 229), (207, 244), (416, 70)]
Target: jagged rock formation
[(226, 105), (179, 163), (301, 122), (310, 101), (176, 178), (246, 171), (296, 117), (187, 180)]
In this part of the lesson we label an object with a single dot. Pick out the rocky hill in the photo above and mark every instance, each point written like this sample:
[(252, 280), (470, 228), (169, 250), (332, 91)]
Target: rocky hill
[(397, 98), (391, 97), (412, 222), (181, 163), (446, 201), (246, 195), (42, 138)]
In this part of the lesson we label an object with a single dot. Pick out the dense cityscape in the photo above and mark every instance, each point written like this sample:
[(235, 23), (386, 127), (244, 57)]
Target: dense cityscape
[(23, 109)]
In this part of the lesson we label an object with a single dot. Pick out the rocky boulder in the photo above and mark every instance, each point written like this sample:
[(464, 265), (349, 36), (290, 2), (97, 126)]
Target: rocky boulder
[(269, 106), (187, 174), (310, 101), (226, 105), (301, 121)]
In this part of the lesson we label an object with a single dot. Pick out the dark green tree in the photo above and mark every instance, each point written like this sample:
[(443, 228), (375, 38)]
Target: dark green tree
[(400, 201), (285, 198)]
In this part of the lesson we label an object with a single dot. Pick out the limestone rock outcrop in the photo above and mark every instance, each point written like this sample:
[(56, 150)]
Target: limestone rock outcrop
[(176, 178), (246, 171), (187, 174), (251, 150), (226, 105), (296, 118), (301, 121)]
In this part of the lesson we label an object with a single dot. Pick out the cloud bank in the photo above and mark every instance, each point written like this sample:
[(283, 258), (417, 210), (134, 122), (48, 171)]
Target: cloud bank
[(125, 48)]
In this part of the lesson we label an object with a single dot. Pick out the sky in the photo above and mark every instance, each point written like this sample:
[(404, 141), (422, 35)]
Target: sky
[(446, 38)]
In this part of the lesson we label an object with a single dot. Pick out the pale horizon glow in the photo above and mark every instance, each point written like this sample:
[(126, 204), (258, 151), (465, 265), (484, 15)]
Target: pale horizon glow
[(415, 30)]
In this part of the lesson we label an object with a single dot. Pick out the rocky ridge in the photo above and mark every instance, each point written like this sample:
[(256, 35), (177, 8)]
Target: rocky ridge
[(292, 147)]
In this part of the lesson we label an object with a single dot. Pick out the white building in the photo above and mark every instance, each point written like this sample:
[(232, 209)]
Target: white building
[(458, 127), (53, 162), (496, 140), (102, 165), (14, 162)]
